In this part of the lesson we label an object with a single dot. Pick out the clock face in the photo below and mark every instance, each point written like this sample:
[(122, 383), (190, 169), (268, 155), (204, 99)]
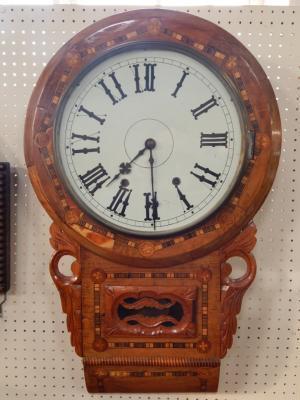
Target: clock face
[(150, 141)]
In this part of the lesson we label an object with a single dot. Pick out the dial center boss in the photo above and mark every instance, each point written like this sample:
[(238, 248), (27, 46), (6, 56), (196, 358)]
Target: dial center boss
[(150, 133)]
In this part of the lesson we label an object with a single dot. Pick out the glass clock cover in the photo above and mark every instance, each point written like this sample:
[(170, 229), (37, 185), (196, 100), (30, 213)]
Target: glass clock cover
[(150, 141)]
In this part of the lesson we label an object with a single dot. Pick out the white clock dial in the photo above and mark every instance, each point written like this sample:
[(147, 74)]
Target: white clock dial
[(150, 142)]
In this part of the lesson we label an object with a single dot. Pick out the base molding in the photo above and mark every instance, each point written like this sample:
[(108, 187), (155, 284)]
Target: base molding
[(151, 379), (151, 362)]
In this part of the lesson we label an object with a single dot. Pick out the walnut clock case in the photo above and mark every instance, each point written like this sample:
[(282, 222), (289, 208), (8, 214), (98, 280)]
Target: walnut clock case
[(151, 139)]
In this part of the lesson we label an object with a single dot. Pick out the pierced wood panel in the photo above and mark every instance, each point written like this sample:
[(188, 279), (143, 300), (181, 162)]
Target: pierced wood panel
[(150, 311)]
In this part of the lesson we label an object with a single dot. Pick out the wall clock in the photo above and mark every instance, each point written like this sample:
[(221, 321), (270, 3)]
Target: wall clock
[(152, 139)]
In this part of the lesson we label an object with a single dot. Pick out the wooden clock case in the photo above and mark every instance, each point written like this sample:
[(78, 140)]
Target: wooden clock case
[(153, 315)]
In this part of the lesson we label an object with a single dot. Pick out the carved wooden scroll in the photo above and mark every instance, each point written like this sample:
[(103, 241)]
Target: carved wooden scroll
[(69, 287), (233, 290)]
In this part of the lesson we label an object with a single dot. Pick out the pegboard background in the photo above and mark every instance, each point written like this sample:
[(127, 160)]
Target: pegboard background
[(36, 359)]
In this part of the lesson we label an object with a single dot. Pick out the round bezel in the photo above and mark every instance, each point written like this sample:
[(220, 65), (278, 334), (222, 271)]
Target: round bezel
[(144, 46), (219, 49)]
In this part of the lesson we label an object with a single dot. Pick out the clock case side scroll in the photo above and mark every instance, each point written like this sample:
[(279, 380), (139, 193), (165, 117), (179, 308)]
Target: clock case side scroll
[(122, 356)]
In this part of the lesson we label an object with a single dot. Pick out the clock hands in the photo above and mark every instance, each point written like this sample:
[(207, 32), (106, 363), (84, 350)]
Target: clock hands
[(125, 167), (153, 203), (176, 182), (150, 198)]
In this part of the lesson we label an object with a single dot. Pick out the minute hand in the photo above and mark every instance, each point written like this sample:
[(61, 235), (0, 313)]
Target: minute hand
[(154, 202)]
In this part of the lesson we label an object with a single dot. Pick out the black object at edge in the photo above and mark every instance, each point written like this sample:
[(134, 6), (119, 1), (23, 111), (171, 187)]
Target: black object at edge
[(5, 183)]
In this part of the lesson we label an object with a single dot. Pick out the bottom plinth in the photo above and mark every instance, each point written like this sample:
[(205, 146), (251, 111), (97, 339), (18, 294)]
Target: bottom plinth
[(139, 379)]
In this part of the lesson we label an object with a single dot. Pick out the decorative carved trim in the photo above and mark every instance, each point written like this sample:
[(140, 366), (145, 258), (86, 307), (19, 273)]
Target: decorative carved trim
[(149, 311), (233, 290), (147, 374), (152, 345), (151, 362), (204, 345), (69, 287), (100, 374), (244, 242), (154, 275), (61, 242)]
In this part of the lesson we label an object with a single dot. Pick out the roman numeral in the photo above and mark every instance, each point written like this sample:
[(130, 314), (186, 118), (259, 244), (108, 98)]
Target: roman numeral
[(85, 137), (176, 182), (137, 78), (91, 115), (117, 86), (179, 84), (151, 204), (86, 151), (94, 179), (204, 107), (213, 139), (212, 176), (120, 201), (149, 78)]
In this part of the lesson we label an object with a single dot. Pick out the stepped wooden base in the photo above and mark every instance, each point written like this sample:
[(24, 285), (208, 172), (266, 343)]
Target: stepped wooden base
[(138, 379)]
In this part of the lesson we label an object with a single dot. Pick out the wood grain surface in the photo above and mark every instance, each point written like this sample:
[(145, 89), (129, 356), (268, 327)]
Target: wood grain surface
[(153, 315)]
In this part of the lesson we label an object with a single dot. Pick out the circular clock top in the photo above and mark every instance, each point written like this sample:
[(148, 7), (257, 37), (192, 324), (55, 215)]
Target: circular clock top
[(150, 141), (152, 135)]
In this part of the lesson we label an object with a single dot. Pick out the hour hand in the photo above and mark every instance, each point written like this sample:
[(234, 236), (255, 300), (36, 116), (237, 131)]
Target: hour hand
[(125, 167), (113, 179)]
